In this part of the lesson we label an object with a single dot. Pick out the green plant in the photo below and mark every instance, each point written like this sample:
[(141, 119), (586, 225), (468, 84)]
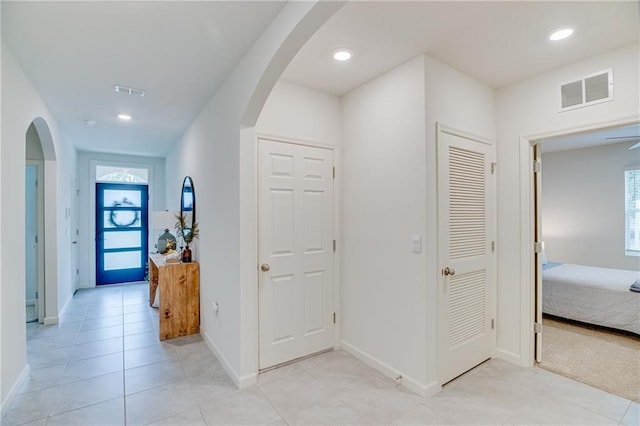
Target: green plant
[(188, 233)]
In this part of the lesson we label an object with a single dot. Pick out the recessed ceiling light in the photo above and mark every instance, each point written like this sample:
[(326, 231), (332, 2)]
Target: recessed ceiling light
[(342, 55), (561, 34), (124, 117)]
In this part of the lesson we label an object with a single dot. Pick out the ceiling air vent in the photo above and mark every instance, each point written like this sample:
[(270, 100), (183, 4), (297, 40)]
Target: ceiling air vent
[(118, 88), (592, 89)]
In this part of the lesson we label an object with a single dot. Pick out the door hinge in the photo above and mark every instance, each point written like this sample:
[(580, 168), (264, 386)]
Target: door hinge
[(537, 247), (493, 323), (334, 172), (334, 245), (36, 183), (493, 246), (537, 327), (36, 294), (334, 317), (36, 239), (537, 167), (77, 271), (493, 167)]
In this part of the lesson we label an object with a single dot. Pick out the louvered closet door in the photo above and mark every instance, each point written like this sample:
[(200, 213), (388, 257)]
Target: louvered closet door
[(466, 302)]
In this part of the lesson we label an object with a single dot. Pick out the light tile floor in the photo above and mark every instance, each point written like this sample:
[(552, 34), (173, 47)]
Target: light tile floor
[(103, 365)]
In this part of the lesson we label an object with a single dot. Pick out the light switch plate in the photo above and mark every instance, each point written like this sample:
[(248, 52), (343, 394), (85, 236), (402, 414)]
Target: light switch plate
[(416, 243)]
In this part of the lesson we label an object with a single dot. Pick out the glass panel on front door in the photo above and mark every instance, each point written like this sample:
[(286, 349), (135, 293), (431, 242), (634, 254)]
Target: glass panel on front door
[(121, 232)]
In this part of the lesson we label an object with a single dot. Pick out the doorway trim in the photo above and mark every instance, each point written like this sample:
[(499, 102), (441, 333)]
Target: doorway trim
[(527, 228), (336, 226), (92, 208), (40, 280), (50, 218), (443, 258)]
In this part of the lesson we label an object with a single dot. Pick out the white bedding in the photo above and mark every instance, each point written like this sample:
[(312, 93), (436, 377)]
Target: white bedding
[(593, 295)]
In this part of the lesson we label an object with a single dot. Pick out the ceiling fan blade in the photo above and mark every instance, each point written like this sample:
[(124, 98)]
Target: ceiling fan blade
[(636, 146), (623, 137)]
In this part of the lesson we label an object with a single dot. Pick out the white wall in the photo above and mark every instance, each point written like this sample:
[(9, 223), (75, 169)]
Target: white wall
[(86, 203), (4, 397), (529, 109), (21, 105), (291, 113), (34, 153), (34, 146), (384, 317), (300, 113), (583, 205), (389, 194), (460, 102), (210, 153)]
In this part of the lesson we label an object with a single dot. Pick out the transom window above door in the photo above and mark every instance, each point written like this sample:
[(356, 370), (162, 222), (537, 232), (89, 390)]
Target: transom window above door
[(121, 174)]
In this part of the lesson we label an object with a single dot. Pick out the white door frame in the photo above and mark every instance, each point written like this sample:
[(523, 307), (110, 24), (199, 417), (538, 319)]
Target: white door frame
[(527, 228), (73, 219), (91, 232), (40, 302), (491, 235), (336, 227)]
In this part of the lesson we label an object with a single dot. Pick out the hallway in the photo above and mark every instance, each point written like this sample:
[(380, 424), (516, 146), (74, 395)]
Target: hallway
[(103, 365)]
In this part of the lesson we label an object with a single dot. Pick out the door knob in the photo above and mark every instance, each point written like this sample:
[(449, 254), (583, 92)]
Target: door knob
[(265, 267), (449, 271)]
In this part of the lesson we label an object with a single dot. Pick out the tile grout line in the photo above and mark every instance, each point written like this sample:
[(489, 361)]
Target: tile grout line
[(124, 385)]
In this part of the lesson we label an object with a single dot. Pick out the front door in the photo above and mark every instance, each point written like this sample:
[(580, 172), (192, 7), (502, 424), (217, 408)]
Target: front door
[(466, 289), (121, 232), (295, 251)]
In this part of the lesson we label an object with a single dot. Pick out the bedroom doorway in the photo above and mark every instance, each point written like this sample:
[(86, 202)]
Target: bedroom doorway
[(571, 186)]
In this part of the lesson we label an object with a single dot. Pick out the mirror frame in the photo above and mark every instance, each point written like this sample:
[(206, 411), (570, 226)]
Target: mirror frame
[(186, 184)]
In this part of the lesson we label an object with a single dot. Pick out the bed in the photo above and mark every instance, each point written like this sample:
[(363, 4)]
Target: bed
[(599, 296)]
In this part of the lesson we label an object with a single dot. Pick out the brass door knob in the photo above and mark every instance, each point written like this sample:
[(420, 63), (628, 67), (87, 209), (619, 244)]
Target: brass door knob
[(265, 267), (449, 271)]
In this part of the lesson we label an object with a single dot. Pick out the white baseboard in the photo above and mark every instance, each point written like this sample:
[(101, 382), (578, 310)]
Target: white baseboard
[(247, 380), (408, 382), (51, 320), (14, 389), (511, 357), (66, 303), (240, 382)]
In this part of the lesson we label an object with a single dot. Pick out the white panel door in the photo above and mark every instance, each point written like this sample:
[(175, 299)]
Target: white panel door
[(295, 251), (466, 289)]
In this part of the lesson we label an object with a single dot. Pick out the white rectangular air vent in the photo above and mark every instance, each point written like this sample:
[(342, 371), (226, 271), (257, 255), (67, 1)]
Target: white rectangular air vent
[(118, 88), (592, 89)]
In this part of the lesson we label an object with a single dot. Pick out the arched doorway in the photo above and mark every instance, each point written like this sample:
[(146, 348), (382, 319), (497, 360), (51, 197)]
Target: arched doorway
[(40, 227)]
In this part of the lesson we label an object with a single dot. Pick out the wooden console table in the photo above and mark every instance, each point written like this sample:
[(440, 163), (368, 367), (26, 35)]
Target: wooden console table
[(179, 285)]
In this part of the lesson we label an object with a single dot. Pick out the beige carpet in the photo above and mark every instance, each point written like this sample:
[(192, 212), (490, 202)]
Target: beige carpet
[(601, 358)]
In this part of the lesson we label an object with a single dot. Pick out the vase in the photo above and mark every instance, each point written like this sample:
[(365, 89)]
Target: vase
[(186, 254)]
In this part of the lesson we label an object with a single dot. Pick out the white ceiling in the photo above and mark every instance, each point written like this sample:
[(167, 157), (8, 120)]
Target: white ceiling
[(180, 52), (628, 135), (496, 42)]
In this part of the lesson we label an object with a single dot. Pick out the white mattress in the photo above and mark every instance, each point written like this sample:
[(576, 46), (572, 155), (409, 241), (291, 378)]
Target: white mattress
[(593, 295)]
